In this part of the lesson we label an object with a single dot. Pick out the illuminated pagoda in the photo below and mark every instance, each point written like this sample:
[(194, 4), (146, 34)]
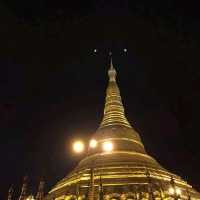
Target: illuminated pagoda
[(116, 165)]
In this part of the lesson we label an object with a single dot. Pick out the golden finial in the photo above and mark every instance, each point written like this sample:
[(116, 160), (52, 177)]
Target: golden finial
[(111, 72)]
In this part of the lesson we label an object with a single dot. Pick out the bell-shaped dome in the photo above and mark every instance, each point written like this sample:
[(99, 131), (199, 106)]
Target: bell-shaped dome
[(125, 164)]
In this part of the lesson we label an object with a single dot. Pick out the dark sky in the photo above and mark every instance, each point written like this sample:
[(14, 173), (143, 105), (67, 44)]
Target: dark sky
[(52, 85)]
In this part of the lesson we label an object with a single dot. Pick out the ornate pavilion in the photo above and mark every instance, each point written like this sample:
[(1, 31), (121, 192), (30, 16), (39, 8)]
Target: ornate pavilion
[(124, 170)]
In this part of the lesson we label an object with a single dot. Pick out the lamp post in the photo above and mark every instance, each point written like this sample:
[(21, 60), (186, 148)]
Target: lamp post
[(150, 189), (79, 147), (161, 191), (100, 189), (31, 197), (188, 194), (173, 190), (107, 146)]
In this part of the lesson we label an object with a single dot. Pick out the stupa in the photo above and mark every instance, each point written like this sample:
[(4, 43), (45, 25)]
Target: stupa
[(125, 171)]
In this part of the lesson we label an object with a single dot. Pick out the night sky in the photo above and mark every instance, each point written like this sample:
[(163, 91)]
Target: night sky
[(52, 85)]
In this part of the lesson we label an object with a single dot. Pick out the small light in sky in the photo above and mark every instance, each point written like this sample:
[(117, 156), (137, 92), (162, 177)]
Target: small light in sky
[(95, 50), (125, 50)]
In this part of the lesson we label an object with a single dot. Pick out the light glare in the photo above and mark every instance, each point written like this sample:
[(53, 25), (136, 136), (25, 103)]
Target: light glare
[(30, 198), (107, 146), (171, 190), (93, 143), (78, 146), (178, 191)]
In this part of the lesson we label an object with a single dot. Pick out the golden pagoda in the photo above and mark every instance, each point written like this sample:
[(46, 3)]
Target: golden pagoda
[(122, 170)]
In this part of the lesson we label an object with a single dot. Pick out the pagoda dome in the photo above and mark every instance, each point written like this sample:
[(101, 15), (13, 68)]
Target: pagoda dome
[(125, 172)]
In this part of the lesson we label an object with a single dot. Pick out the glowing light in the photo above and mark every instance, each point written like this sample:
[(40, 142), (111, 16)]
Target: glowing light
[(171, 191), (95, 50), (107, 146), (78, 146), (93, 143), (30, 198), (125, 50), (178, 191)]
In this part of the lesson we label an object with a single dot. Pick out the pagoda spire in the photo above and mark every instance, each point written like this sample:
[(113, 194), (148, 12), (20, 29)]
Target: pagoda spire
[(113, 110), (112, 72), (40, 193), (10, 193), (23, 194)]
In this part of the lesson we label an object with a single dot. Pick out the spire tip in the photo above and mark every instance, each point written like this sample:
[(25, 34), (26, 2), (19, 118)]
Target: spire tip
[(111, 72)]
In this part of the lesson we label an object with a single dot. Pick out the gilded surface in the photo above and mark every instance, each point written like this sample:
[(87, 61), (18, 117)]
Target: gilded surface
[(122, 172), (114, 110)]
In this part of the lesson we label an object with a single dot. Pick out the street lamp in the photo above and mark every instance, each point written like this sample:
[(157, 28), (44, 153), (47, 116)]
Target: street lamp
[(78, 146), (30, 197), (176, 192), (107, 146), (93, 143), (171, 191)]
